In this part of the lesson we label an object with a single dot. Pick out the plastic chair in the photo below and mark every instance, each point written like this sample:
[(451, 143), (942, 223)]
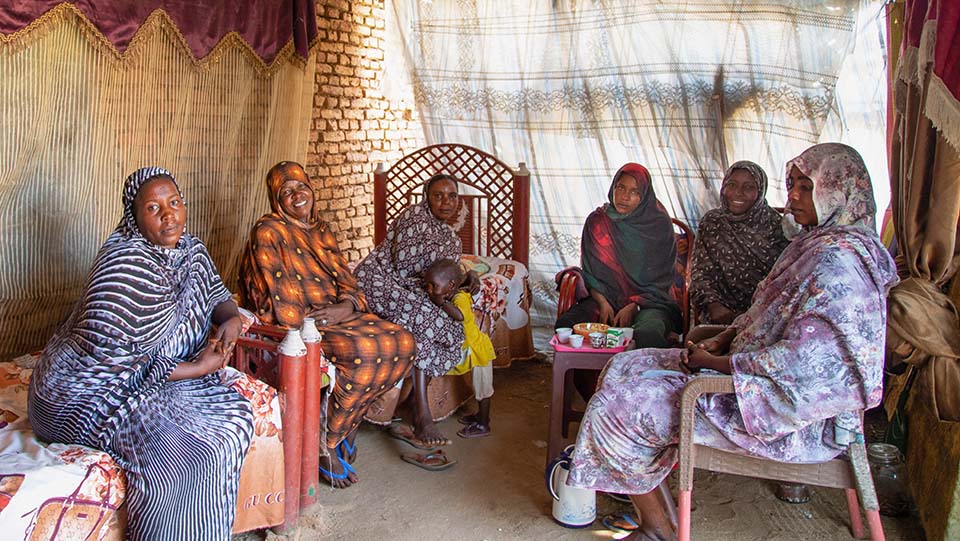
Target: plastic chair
[(850, 472)]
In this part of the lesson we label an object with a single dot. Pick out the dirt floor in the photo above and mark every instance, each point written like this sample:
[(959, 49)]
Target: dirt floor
[(497, 492)]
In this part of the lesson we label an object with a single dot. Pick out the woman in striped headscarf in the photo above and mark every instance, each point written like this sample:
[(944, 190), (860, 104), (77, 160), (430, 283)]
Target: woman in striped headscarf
[(133, 371)]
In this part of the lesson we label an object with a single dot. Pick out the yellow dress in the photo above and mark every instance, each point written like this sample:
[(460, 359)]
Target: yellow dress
[(477, 347)]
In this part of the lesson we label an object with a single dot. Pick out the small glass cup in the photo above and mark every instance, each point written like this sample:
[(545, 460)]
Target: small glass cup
[(563, 334), (576, 340)]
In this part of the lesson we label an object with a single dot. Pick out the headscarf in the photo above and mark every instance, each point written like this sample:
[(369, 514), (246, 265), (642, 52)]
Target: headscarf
[(631, 258), (276, 176), (734, 252), (842, 192)]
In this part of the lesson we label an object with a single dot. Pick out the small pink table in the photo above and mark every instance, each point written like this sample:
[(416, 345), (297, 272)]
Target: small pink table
[(565, 359)]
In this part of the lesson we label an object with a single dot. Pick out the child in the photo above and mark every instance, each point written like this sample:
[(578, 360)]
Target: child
[(441, 282)]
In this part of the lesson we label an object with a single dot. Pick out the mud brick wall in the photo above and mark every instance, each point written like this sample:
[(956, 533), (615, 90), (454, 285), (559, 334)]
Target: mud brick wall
[(354, 126)]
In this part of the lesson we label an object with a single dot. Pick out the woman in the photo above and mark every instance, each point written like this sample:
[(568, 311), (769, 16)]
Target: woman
[(292, 268), (628, 254), (805, 357), (736, 246), (391, 276), (132, 371)]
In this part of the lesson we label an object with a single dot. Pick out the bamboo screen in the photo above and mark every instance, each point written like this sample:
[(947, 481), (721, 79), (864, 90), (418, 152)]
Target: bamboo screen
[(77, 116)]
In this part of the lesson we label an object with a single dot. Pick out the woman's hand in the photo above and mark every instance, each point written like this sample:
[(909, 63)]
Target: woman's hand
[(720, 314), (207, 362), (227, 334), (624, 317), (698, 358), (332, 314), (472, 282), (606, 311)]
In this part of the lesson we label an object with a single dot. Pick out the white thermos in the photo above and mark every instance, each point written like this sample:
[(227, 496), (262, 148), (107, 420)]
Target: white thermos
[(572, 507)]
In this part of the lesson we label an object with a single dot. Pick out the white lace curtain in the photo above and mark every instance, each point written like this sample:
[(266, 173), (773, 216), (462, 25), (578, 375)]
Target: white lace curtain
[(575, 89)]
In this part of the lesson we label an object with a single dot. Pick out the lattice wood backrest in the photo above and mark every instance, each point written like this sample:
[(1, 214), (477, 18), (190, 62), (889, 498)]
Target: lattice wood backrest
[(496, 197)]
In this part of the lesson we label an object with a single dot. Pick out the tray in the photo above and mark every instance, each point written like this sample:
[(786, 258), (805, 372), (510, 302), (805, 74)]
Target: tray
[(557, 346)]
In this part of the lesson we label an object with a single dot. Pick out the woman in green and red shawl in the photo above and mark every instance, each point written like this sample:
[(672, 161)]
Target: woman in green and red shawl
[(628, 253)]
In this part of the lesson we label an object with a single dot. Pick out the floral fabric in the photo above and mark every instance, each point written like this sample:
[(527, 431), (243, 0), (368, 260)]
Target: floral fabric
[(808, 355), (390, 277)]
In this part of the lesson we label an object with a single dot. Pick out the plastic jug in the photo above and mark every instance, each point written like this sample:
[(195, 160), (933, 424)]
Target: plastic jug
[(572, 507)]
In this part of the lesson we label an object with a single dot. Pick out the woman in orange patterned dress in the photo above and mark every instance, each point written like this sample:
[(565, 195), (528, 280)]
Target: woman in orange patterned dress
[(292, 268)]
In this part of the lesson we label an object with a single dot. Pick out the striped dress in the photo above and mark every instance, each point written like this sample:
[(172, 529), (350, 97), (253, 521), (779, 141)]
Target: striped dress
[(103, 382)]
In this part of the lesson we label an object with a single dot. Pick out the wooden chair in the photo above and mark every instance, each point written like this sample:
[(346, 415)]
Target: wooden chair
[(850, 472), (680, 290), (494, 210), (496, 197)]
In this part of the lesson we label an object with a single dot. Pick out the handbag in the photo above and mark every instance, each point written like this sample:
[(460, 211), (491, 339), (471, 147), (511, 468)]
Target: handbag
[(72, 517)]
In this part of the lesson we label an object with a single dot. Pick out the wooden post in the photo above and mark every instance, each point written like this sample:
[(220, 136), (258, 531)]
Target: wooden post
[(521, 214), (379, 203)]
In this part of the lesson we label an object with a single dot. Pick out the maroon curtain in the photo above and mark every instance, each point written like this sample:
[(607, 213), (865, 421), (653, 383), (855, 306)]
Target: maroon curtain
[(265, 25)]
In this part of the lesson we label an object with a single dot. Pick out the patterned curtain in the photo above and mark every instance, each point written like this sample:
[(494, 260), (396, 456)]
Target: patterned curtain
[(92, 90), (575, 89)]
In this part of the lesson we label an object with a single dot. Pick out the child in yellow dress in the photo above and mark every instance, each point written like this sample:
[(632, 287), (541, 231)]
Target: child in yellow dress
[(441, 282)]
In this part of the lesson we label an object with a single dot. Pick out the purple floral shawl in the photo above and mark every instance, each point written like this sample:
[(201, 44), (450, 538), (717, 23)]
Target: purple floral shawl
[(811, 345)]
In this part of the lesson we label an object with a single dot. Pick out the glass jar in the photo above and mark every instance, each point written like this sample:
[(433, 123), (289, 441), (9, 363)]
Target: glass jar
[(886, 464)]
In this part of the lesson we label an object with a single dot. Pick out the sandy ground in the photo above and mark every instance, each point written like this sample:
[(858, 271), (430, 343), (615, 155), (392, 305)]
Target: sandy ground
[(497, 492)]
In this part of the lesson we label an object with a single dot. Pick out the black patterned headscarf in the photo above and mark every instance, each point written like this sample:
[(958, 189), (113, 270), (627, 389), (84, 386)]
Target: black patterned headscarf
[(734, 252)]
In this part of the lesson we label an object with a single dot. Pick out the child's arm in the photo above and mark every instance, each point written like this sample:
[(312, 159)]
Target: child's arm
[(451, 310)]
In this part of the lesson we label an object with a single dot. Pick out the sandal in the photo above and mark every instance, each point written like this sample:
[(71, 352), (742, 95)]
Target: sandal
[(433, 461), (349, 450), (474, 430), (347, 469), (620, 522)]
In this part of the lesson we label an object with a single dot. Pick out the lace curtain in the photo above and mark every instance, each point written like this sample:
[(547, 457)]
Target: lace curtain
[(575, 89)]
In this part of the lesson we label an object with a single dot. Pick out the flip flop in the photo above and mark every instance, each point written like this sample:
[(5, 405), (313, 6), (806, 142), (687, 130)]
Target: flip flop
[(405, 434), (627, 522), (349, 450), (473, 430), (433, 461), (347, 469)]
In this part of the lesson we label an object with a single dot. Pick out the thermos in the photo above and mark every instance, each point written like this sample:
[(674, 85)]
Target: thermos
[(572, 507)]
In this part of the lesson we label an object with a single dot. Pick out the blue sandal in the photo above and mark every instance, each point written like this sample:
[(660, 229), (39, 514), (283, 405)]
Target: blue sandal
[(347, 468), (349, 450), (610, 522)]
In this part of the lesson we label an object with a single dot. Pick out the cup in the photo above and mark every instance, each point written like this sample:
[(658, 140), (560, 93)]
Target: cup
[(598, 340), (627, 334), (563, 334), (576, 340)]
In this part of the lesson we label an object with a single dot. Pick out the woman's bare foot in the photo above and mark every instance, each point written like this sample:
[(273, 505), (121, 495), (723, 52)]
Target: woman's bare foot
[(338, 478), (427, 432)]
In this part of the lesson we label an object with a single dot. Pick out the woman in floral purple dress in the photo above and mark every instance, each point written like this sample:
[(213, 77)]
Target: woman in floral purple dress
[(805, 357)]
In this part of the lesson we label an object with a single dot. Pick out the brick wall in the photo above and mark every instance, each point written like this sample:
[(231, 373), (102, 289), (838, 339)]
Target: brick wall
[(354, 126)]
